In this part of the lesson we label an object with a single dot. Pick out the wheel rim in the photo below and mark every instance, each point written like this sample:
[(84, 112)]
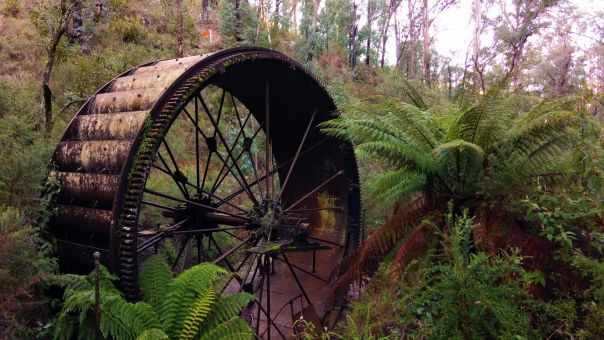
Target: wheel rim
[(320, 196)]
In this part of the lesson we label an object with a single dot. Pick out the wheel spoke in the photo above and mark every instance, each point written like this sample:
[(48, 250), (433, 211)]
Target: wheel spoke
[(177, 172), (180, 251), (169, 172), (291, 167), (220, 156), (267, 144), (241, 132), (220, 175), (159, 194), (197, 146), (153, 204), (238, 192), (247, 256), (205, 192), (229, 152)]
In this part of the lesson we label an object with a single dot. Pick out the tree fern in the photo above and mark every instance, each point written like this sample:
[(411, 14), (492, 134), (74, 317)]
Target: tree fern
[(225, 309), (482, 148), (182, 292), (197, 313), (152, 334), (188, 308), (153, 280), (232, 329)]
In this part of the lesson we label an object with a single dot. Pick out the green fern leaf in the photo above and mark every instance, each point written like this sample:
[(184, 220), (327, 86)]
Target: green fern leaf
[(225, 309), (197, 314), (154, 277), (232, 329), (182, 293), (152, 334)]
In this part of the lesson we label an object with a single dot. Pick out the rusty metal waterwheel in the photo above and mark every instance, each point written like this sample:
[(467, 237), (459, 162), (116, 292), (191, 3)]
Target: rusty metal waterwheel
[(219, 155)]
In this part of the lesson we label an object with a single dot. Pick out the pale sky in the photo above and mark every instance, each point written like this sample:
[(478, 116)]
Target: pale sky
[(453, 29)]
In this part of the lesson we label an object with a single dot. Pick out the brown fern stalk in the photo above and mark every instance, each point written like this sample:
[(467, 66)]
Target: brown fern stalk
[(365, 261)]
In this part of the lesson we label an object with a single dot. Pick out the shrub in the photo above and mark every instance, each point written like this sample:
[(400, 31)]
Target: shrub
[(184, 307)]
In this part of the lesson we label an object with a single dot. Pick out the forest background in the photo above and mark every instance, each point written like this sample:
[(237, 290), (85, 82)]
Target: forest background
[(56, 53)]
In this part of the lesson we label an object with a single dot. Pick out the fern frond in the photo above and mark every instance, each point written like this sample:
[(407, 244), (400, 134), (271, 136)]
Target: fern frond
[(415, 244), (225, 309), (154, 277), (412, 93), (152, 334), (123, 320), (411, 121), (365, 260), (481, 123), (197, 313), (529, 135), (233, 329), (182, 293), (395, 185), (460, 159)]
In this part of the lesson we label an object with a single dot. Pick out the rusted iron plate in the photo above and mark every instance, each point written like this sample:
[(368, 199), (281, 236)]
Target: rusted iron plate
[(181, 64), (135, 100), (149, 80), (116, 126), (83, 223), (95, 190), (102, 156)]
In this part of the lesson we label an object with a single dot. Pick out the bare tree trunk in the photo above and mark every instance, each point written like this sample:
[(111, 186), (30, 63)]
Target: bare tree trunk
[(180, 32), (260, 4), (449, 80), (477, 30), (369, 19), (352, 34), (397, 40), (295, 14), (391, 10), (411, 18), (238, 22), (561, 84), (66, 13), (426, 34), (204, 11)]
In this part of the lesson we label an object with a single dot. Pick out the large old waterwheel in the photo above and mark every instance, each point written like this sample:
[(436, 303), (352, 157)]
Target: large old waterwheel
[(213, 158)]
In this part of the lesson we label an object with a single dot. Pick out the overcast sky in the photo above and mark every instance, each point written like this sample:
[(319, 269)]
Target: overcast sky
[(453, 29)]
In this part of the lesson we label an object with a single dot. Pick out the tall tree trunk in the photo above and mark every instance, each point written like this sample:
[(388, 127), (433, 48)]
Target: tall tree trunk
[(426, 34), (352, 36), (476, 45), (411, 18), (238, 22), (449, 80), (180, 31), (368, 53), (313, 28), (205, 16), (260, 4), (397, 40), (66, 13), (391, 10), (295, 14)]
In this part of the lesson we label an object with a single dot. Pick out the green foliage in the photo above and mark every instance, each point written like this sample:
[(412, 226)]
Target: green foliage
[(457, 294), (184, 307), (23, 157), (129, 29), (477, 150), (228, 27)]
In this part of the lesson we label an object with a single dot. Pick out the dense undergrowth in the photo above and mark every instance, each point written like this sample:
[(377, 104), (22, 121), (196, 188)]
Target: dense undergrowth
[(487, 211)]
